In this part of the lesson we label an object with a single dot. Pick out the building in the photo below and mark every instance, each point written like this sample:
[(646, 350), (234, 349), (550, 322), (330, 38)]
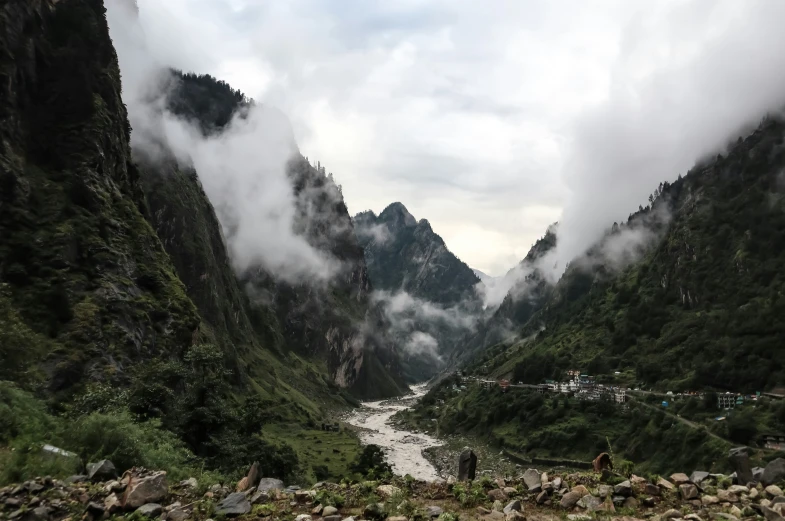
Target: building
[(773, 441), (729, 400)]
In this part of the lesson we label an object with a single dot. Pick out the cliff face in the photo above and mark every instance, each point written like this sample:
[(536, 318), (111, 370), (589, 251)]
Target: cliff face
[(84, 273)]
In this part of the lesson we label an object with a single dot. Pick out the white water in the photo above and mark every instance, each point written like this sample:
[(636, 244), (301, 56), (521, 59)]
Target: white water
[(402, 448)]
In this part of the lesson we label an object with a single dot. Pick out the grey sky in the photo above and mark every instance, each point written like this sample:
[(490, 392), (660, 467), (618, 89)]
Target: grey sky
[(492, 119)]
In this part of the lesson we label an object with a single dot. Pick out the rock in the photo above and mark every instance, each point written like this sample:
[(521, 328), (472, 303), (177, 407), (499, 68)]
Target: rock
[(651, 490), (542, 497), (578, 517), (754, 493), (150, 510), (604, 491), (649, 501), (41, 513), (101, 470), (693, 517), (451, 480), (467, 465), (146, 489), (570, 499), (738, 489), (671, 514), (726, 496), (329, 511), (664, 483), (773, 490), (590, 503), (722, 516), (735, 511), (532, 479), (740, 461), (483, 511), (260, 497), (512, 505), (607, 506), (374, 511), (764, 503), (269, 484), (76, 478), (317, 510), (498, 506), (771, 514), (778, 499), (580, 489), (235, 504), (95, 509), (709, 500), (510, 491), (337, 517), (757, 474), (774, 472), (688, 491), (303, 517), (387, 491), (556, 482), (698, 476), (630, 502), (679, 478), (112, 503), (514, 515), (494, 516), (177, 514), (497, 494), (433, 511), (623, 489)]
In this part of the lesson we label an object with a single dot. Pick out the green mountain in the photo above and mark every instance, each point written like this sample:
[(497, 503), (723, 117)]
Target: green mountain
[(427, 293), (686, 295), (117, 291)]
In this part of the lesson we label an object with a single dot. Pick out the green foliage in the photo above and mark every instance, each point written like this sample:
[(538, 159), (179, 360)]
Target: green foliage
[(329, 498), (371, 463), (470, 494)]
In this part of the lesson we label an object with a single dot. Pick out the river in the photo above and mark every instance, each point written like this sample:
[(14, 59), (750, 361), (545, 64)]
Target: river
[(402, 448)]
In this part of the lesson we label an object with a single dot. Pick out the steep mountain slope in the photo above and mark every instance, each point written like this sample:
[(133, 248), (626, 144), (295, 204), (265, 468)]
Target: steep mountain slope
[(699, 302), (407, 255), (427, 294)]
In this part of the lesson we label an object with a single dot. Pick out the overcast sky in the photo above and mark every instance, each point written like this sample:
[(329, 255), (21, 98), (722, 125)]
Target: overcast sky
[(492, 119)]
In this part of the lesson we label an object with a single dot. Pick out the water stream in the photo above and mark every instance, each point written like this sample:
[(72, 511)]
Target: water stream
[(403, 448)]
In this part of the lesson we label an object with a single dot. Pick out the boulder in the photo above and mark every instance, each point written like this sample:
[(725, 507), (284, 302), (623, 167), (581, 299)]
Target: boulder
[(688, 491), (604, 491), (709, 500), (580, 489), (740, 461), (623, 489), (101, 471), (260, 497), (467, 465), (337, 517), (269, 484), (387, 491), (497, 506), (177, 514), (754, 493), (618, 500), (497, 494), (651, 490), (542, 497), (146, 489), (303, 517), (738, 489), (590, 503), (532, 480), (671, 514), (726, 496), (698, 476), (329, 511), (664, 483), (189, 483), (774, 472), (150, 510), (757, 474), (773, 490), (771, 514), (510, 491), (433, 511), (630, 502), (557, 481), (680, 478), (514, 515), (235, 504), (512, 505), (570, 499)]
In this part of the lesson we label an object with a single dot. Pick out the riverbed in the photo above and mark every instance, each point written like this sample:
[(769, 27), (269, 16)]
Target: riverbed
[(403, 448)]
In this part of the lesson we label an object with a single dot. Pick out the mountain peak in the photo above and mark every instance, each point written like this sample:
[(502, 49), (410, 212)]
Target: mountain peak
[(397, 213)]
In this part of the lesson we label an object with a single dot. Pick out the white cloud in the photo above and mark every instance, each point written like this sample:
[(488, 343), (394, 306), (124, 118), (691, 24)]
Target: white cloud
[(489, 118)]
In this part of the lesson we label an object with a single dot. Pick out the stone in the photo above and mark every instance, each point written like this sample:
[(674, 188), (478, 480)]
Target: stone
[(671, 514), (317, 510), (604, 491), (738, 489), (260, 497), (514, 515), (510, 491), (740, 461), (590, 503), (41, 513), (497, 494), (303, 517), (101, 470), (664, 483), (570, 499), (374, 511), (709, 500), (778, 499), (693, 517), (679, 478), (177, 514), (557, 482), (607, 506), (773, 490), (726, 496), (235, 504), (532, 480), (698, 476), (467, 465), (269, 484), (722, 516), (112, 503), (764, 503), (542, 497), (580, 489), (771, 515), (329, 511), (754, 493), (146, 489), (623, 489), (433, 511), (150, 510), (497, 506), (494, 516), (512, 505), (757, 473), (578, 517), (649, 501), (774, 472), (76, 478), (651, 490), (735, 511), (95, 509), (688, 491), (337, 517), (544, 478), (630, 502), (483, 511), (387, 491), (394, 518)]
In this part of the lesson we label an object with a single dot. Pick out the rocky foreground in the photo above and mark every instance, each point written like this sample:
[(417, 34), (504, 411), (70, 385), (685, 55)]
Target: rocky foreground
[(534, 495)]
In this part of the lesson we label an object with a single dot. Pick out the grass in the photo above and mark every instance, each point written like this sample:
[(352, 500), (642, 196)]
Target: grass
[(326, 455)]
